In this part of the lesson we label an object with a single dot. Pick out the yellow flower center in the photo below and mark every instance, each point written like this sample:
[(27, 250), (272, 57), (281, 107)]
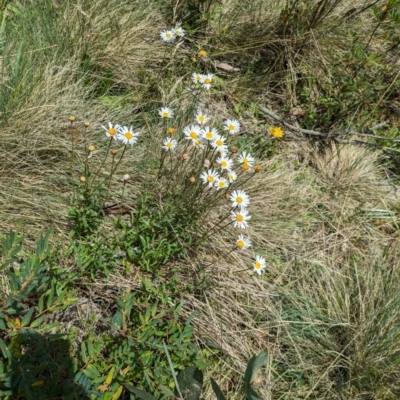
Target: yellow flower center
[(165, 114), (219, 142), (193, 135), (224, 164), (221, 184), (112, 131), (169, 144), (257, 265), (168, 35), (178, 31), (202, 118), (239, 218), (231, 127), (171, 131), (198, 78), (239, 199), (207, 81), (210, 178), (246, 167), (197, 143), (240, 244), (128, 135)]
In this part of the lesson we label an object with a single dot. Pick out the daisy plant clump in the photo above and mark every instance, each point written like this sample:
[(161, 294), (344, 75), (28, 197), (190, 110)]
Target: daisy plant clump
[(201, 173), (193, 182)]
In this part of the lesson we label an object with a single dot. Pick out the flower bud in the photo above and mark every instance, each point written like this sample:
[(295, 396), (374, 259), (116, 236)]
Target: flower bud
[(258, 168), (171, 131), (234, 149), (82, 179), (91, 148), (246, 167), (71, 118), (86, 123), (126, 177), (206, 163), (192, 179), (114, 152)]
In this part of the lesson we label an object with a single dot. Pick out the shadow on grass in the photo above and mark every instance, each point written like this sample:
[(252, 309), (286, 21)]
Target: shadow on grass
[(40, 367)]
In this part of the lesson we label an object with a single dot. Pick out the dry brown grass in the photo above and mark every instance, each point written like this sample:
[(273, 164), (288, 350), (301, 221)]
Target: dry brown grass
[(316, 246)]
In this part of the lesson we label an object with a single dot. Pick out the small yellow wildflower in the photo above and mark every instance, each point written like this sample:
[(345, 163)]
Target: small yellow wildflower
[(276, 132), (202, 53)]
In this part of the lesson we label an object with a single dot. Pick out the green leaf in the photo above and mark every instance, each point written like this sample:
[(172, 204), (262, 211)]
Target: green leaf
[(27, 317), (84, 353), (190, 382), (37, 322), (217, 390), (140, 394), (254, 365)]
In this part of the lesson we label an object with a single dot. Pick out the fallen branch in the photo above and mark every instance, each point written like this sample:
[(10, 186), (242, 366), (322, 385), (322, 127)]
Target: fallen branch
[(334, 136)]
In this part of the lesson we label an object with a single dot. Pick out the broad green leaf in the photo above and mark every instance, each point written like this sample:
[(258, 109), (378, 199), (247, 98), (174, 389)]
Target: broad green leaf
[(27, 317), (217, 390), (37, 322), (254, 365)]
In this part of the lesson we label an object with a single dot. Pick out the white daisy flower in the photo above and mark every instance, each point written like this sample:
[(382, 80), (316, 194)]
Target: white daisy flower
[(259, 265), (165, 112), (168, 36), (232, 176), (221, 183), (179, 31), (201, 118), (243, 242), (232, 126), (127, 136), (112, 130), (209, 133), (240, 218), (239, 198), (246, 158), (198, 144), (169, 144), (219, 143), (192, 132), (207, 81), (209, 177), (197, 78), (225, 163)]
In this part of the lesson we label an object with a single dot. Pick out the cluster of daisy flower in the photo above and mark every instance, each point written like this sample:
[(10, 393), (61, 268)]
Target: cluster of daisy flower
[(122, 133), (170, 35), (222, 167), (205, 80)]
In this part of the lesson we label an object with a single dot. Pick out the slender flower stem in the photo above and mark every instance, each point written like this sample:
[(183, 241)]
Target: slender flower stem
[(102, 164), (114, 169)]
